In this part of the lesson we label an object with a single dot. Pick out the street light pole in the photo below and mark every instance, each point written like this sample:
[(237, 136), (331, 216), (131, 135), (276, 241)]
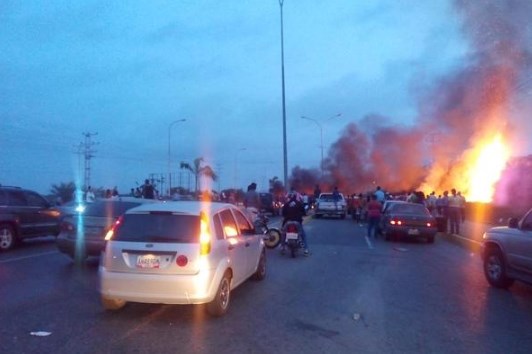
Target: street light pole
[(169, 154), (321, 135), (285, 158)]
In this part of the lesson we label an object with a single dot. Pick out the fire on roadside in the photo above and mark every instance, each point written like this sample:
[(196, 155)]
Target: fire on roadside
[(475, 172)]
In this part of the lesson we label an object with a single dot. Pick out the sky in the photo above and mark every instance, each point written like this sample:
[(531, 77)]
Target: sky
[(124, 72)]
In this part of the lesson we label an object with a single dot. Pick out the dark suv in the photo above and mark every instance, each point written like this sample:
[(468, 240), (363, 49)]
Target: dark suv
[(24, 214)]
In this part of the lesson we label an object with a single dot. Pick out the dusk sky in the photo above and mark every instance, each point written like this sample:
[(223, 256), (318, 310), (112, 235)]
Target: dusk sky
[(127, 69)]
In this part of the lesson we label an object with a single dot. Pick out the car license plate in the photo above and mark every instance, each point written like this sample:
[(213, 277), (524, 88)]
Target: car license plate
[(291, 235), (413, 232), (148, 261)]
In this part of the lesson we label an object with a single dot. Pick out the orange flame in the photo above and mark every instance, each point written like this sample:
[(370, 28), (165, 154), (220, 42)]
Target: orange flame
[(475, 173), (487, 169)]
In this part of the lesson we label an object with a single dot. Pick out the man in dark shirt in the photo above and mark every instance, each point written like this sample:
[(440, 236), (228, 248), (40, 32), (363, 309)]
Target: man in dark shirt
[(293, 210)]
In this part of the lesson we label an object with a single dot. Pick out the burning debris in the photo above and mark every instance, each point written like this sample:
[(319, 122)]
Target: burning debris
[(464, 134)]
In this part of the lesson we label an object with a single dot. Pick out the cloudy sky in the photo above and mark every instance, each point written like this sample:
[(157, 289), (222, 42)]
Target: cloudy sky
[(123, 71)]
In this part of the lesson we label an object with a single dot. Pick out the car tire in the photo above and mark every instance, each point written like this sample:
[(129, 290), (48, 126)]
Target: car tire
[(112, 304), (218, 307), (430, 239), (317, 216), (8, 238), (495, 269), (260, 273)]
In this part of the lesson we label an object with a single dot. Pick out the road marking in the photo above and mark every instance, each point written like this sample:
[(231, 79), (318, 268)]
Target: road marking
[(26, 257)]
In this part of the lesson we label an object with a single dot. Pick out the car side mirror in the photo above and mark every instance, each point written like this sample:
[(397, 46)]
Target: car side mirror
[(513, 223)]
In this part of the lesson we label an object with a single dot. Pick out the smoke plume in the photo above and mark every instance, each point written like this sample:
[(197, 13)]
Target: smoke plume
[(457, 113)]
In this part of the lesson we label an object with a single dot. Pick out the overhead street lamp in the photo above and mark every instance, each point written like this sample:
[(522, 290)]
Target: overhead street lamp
[(169, 154), (236, 166), (321, 135)]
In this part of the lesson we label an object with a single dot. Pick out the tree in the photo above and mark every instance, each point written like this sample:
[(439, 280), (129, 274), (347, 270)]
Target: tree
[(65, 191), (198, 170)]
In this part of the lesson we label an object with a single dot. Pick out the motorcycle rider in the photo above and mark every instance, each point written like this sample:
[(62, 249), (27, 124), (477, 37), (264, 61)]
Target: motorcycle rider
[(293, 210)]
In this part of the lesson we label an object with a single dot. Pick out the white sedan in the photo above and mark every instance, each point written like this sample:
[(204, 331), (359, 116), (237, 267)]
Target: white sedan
[(184, 252)]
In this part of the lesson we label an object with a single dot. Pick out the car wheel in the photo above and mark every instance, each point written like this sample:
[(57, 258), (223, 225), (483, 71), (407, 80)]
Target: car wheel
[(112, 304), (430, 239), (260, 274), (218, 307), (495, 269), (7, 237), (317, 216)]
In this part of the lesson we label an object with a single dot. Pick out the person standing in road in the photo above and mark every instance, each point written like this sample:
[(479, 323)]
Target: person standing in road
[(148, 192), (462, 206), (252, 201), (374, 216), (454, 212), (317, 192), (379, 193), (89, 196)]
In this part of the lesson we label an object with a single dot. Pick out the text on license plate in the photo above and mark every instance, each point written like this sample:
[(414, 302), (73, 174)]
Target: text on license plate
[(291, 235), (148, 261), (413, 232)]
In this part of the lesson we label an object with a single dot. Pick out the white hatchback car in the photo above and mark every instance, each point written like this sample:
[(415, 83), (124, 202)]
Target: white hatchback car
[(184, 252)]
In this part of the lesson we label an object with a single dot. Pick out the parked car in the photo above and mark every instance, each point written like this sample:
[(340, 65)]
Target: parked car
[(25, 214), (189, 252), (328, 205), (407, 220), (83, 229), (507, 252)]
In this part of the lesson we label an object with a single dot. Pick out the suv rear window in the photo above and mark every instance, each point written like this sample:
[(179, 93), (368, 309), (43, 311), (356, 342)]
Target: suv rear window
[(158, 227)]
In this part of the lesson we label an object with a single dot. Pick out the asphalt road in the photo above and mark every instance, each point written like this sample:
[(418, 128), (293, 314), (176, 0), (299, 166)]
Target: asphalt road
[(349, 296)]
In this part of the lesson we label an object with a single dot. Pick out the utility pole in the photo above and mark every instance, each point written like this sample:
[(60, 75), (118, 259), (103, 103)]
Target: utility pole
[(85, 148)]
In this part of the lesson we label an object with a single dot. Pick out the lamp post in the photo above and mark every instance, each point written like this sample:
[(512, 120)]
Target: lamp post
[(236, 166), (285, 158), (169, 153), (321, 135)]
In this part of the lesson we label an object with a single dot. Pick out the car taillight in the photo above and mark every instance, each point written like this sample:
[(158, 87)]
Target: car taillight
[(111, 232), (429, 224), (181, 260), (205, 235), (291, 228), (396, 222)]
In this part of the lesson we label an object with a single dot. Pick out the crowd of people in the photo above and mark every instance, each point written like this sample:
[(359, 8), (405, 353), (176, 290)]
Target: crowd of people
[(450, 207)]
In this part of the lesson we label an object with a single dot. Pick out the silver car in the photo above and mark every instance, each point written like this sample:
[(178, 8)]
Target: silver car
[(507, 252), (184, 252)]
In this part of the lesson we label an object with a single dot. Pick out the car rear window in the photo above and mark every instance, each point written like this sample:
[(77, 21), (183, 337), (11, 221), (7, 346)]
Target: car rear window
[(158, 227), (111, 209), (409, 208)]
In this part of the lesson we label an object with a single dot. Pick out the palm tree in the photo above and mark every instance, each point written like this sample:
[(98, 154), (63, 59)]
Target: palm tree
[(65, 191), (198, 170)]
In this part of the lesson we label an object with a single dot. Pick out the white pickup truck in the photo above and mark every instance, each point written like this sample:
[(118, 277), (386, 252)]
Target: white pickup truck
[(328, 205)]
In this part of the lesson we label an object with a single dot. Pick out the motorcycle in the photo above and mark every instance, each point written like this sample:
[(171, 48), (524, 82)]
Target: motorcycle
[(292, 238), (272, 235)]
